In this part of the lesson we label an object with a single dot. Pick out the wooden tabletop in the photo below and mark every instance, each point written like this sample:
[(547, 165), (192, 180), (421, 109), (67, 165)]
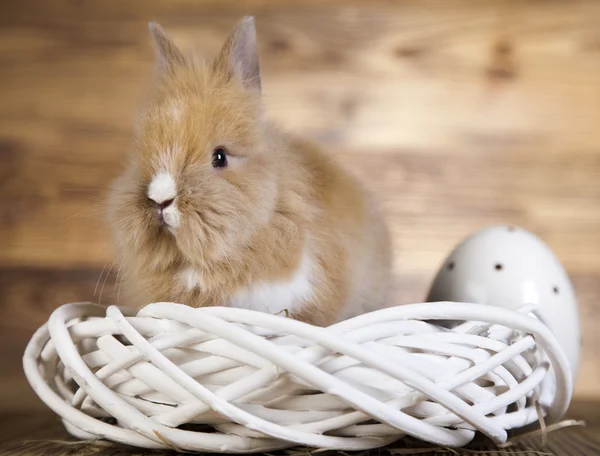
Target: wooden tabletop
[(42, 434)]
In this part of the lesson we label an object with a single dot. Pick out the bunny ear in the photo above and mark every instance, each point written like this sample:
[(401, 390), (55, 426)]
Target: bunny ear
[(167, 55), (239, 56)]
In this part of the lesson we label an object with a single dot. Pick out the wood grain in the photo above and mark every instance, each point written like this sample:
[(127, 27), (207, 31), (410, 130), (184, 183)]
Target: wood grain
[(458, 114)]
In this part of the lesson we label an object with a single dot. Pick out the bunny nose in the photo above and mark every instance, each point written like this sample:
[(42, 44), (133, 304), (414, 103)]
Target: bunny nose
[(161, 190), (162, 204), (166, 203)]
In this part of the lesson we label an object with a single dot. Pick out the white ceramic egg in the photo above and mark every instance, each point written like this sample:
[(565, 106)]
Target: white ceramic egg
[(510, 267)]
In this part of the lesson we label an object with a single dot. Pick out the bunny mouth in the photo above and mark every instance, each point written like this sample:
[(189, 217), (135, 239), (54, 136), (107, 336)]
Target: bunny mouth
[(162, 223), (168, 218)]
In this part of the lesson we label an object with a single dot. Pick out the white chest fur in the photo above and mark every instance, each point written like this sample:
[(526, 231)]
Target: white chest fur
[(190, 279), (276, 297), (269, 297)]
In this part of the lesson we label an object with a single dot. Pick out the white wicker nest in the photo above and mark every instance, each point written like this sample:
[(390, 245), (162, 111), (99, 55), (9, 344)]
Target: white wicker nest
[(262, 382)]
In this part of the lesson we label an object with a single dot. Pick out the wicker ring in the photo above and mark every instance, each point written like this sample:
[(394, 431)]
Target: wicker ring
[(236, 381)]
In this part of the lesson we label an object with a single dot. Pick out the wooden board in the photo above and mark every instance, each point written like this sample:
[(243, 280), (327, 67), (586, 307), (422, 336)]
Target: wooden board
[(458, 114)]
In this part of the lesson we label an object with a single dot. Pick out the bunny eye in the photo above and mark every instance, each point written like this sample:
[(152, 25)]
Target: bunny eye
[(219, 157)]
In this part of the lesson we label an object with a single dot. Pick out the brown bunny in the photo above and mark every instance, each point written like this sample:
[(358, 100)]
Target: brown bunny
[(219, 208)]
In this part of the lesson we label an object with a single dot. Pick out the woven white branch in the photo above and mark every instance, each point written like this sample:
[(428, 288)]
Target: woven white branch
[(260, 382)]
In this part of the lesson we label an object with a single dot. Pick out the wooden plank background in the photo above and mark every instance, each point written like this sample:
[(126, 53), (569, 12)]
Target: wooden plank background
[(459, 114)]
